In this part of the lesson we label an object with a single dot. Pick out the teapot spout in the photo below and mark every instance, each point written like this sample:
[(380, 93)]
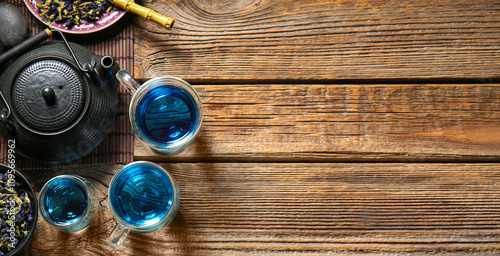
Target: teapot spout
[(106, 71), (107, 62)]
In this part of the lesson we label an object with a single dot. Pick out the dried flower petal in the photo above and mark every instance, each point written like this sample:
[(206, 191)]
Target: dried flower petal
[(16, 212)]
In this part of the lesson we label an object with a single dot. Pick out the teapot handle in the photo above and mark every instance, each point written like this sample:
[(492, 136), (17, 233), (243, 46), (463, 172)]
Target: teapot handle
[(4, 116), (128, 81), (24, 46)]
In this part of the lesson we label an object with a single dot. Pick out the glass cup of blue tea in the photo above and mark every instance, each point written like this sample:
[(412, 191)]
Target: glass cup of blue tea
[(68, 202), (165, 112), (143, 197)]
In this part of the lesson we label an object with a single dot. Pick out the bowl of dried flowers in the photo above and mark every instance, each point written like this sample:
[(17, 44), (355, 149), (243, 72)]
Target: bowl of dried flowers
[(18, 211)]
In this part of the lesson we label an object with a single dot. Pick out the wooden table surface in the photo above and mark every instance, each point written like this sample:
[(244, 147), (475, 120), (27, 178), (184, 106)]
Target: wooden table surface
[(330, 128)]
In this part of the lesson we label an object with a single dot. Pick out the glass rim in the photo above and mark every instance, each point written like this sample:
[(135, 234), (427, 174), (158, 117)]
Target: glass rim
[(175, 194), (80, 180)]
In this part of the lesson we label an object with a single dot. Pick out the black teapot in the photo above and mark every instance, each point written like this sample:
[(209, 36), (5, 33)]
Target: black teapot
[(58, 101)]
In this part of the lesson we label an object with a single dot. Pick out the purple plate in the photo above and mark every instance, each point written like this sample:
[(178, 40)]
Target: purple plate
[(85, 27)]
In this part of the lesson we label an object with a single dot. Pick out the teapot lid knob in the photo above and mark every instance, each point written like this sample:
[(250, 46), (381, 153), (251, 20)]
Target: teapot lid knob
[(49, 95)]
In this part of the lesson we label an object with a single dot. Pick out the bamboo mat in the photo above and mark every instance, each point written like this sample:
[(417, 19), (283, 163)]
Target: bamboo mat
[(118, 42)]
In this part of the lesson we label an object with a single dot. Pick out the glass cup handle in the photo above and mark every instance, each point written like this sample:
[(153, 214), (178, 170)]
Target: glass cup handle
[(128, 81), (118, 235)]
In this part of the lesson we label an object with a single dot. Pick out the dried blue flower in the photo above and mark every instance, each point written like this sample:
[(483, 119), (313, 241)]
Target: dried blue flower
[(73, 12), (16, 213)]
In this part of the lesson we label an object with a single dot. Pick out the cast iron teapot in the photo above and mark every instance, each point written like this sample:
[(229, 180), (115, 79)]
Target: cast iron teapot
[(58, 100)]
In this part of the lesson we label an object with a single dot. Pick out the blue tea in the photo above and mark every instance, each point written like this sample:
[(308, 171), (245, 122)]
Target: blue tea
[(166, 114), (64, 201), (141, 194)]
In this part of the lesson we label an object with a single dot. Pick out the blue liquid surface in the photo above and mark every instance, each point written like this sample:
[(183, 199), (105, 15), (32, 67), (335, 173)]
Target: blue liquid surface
[(166, 114), (141, 195), (65, 201)]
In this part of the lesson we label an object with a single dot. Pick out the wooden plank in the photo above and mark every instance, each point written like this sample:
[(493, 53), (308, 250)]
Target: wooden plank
[(268, 122), (304, 209), (215, 40)]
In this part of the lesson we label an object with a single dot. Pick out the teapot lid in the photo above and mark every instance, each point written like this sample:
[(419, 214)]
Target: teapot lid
[(48, 95)]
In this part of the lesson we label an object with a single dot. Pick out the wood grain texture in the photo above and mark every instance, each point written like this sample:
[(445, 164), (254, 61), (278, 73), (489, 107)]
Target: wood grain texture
[(304, 209), (331, 127), (218, 40), (402, 123)]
